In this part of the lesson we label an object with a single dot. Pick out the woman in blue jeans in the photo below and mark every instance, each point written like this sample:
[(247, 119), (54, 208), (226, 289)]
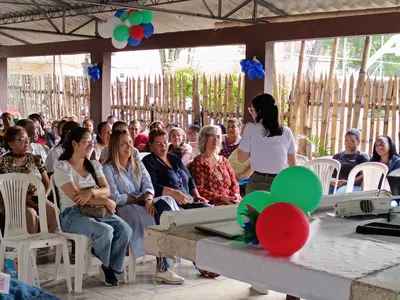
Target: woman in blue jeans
[(81, 182)]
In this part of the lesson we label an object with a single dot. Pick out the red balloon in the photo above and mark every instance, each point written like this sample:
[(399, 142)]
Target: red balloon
[(137, 32), (282, 229), (131, 11)]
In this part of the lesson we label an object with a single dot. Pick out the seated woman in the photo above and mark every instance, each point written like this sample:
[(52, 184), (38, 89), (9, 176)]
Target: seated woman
[(54, 154), (102, 137), (212, 173), (33, 133), (242, 171), (192, 137), (19, 160), (348, 159), (130, 186), (83, 191), (231, 140), (173, 184), (385, 152), (178, 145)]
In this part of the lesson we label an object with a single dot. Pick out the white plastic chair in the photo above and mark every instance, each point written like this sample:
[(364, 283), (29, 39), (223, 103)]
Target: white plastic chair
[(83, 255), (373, 172), (301, 159), (13, 188), (324, 169)]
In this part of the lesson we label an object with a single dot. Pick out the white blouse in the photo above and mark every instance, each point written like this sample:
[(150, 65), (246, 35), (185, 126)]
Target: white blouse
[(65, 173), (267, 154)]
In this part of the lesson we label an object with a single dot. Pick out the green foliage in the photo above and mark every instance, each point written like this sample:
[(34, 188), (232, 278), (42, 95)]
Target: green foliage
[(188, 74), (353, 49), (321, 149)]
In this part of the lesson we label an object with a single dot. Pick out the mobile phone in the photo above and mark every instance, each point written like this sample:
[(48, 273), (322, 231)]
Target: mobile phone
[(35, 199)]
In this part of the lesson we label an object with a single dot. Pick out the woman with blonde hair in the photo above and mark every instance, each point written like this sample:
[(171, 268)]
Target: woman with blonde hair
[(212, 173), (177, 137), (130, 187)]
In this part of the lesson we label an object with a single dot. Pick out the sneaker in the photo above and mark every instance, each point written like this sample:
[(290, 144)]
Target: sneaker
[(260, 289), (169, 277), (109, 276)]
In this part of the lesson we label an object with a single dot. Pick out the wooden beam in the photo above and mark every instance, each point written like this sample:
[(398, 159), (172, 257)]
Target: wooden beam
[(310, 29), (100, 90), (3, 85)]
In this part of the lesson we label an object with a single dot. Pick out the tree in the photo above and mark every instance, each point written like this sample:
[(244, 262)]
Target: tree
[(167, 58)]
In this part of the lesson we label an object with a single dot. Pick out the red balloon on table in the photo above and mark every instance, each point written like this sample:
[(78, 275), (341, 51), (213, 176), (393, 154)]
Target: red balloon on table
[(137, 32), (282, 229)]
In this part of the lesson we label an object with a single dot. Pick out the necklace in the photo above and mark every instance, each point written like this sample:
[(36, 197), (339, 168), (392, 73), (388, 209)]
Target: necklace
[(18, 155)]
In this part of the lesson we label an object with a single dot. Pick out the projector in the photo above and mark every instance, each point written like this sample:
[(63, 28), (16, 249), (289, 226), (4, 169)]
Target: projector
[(380, 204)]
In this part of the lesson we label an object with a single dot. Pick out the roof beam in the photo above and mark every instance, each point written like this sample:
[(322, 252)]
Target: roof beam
[(376, 24), (82, 25), (81, 8), (25, 3), (236, 9), (271, 8), (46, 32), (208, 8), (14, 38), (46, 16)]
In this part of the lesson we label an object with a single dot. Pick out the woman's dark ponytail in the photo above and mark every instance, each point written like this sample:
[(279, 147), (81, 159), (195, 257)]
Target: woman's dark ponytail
[(268, 114)]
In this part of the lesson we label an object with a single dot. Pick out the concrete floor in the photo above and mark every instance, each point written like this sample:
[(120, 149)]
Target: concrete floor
[(195, 287)]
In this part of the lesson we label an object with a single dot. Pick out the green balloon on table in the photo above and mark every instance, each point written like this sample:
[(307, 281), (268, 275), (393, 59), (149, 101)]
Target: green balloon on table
[(135, 18), (258, 200), (121, 33), (298, 186), (147, 16), (124, 16)]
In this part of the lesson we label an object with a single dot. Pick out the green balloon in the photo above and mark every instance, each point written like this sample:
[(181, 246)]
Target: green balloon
[(135, 18), (258, 200), (121, 33), (298, 186), (147, 16), (124, 16)]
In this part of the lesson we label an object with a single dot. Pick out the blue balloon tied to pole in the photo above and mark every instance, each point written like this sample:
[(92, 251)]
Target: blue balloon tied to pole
[(148, 29), (94, 73), (133, 42), (119, 13)]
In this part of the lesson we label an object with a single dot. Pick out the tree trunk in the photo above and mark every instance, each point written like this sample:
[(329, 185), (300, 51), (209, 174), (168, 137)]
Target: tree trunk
[(163, 61), (315, 51)]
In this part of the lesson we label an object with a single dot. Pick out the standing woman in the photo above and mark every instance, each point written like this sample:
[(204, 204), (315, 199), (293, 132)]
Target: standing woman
[(269, 145)]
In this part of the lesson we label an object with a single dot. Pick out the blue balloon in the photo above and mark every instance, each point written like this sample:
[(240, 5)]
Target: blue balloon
[(119, 13), (133, 42), (148, 29)]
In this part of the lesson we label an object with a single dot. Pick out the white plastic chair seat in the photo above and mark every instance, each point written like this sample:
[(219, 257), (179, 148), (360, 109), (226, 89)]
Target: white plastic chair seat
[(373, 173), (13, 189), (324, 168)]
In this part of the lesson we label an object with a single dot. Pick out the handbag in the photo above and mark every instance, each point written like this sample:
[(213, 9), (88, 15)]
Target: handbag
[(93, 210)]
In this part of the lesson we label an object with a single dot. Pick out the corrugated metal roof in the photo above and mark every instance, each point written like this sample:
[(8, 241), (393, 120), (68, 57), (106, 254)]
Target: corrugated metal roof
[(181, 15)]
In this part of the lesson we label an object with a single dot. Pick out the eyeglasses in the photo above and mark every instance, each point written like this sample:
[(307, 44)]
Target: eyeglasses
[(88, 142), (214, 137), (251, 109), (23, 140)]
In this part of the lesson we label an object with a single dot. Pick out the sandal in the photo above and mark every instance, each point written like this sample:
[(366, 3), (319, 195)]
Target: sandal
[(208, 274)]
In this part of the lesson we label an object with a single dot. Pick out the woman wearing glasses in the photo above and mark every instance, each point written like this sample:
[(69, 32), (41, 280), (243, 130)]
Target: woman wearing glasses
[(174, 188), (212, 172), (19, 160), (269, 145)]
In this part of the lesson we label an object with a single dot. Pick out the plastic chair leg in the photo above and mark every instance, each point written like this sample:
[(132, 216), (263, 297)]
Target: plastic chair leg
[(2, 256), (23, 263), (131, 266), (88, 256), (58, 261), (80, 251), (67, 265)]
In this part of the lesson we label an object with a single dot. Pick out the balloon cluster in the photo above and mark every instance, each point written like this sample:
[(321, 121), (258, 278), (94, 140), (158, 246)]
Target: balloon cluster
[(253, 68), (279, 220), (127, 27)]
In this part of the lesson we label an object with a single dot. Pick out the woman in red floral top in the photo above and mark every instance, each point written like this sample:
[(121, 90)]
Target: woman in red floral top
[(214, 177)]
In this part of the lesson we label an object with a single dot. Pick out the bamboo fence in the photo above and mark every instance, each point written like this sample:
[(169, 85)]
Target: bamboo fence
[(56, 97), (203, 99), (323, 112)]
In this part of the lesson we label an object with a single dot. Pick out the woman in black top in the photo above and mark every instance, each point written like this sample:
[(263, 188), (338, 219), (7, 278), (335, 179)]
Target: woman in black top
[(171, 181)]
